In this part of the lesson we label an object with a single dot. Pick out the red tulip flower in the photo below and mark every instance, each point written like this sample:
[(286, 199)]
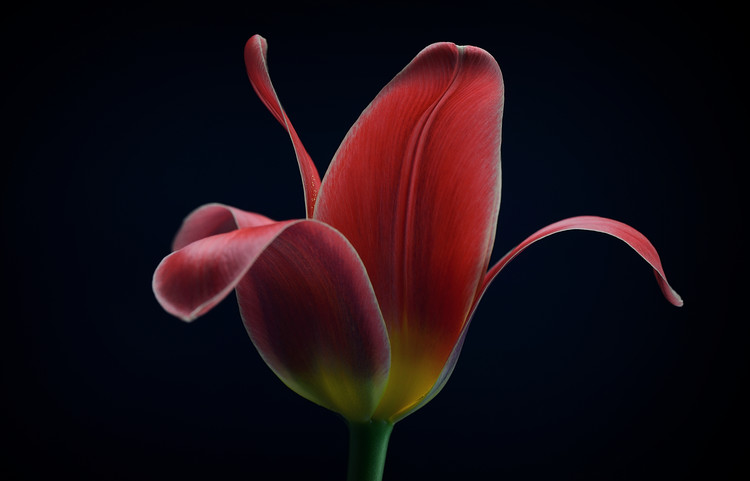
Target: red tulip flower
[(362, 307)]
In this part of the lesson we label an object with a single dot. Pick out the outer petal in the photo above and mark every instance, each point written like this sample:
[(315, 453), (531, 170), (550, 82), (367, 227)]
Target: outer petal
[(415, 187), (257, 71), (624, 232), (306, 302), (212, 219)]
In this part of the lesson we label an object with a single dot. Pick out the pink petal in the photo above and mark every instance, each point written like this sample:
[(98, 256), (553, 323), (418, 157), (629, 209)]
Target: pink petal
[(212, 219), (305, 300), (415, 187), (257, 71)]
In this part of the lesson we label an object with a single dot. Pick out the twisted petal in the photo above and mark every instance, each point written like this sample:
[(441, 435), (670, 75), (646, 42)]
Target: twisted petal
[(257, 71), (415, 187), (212, 219), (306, 302)]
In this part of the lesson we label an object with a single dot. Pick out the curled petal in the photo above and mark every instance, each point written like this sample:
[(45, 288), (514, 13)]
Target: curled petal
[(257, 71), (624, 232), (415, 187), (306, 302), (192, 280), (212, 219)]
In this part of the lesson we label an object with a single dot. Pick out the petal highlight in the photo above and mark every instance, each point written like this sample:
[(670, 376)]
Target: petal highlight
[(257, 71), (212, 219), (415, 187)]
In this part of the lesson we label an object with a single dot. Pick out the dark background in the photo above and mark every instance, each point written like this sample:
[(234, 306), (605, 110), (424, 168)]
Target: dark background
[(120, 119)]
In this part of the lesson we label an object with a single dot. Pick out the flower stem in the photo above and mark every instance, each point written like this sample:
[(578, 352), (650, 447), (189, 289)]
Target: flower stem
[(368, 443)]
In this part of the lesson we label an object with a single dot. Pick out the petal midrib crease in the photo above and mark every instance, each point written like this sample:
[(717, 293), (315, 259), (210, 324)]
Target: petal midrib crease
[(403, 222)]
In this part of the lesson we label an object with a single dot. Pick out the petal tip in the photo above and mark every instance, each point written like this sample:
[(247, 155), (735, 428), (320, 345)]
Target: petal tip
[(676, 300)]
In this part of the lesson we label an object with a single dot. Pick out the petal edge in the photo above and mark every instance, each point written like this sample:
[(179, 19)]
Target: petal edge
[(212, 219)]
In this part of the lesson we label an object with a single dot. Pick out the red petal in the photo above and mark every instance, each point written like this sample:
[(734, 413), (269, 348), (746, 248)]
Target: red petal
[(311, 312), (192, 280), (624, 232), (306, 302), (415, 187), (257, 71), (212, 219)]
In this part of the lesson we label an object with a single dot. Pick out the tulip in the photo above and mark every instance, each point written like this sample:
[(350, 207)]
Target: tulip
[(362, 307)]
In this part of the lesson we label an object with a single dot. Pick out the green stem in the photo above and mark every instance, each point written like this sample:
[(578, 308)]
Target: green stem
[(368, 443)]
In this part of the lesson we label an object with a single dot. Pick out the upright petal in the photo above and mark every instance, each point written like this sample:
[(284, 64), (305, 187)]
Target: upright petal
[(306, 302), (415, 187), (257, 71)]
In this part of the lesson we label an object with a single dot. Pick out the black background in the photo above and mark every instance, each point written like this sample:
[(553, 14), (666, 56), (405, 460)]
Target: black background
[(119, 119)]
